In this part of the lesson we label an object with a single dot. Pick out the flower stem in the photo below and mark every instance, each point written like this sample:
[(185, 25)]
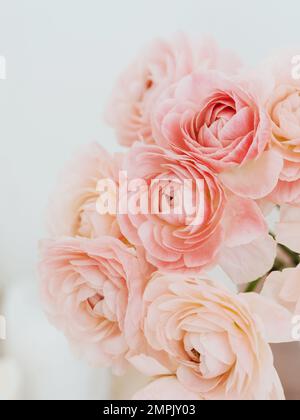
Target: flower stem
[(252, 286)]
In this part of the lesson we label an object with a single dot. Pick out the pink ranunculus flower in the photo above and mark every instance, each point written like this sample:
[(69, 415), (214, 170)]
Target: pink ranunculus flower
[(92, 291), (219, 121), (232, 231), (73, 206), (157, 67), (219, 340), (288, 228), (283, 106), (171, 241), (284, 288)]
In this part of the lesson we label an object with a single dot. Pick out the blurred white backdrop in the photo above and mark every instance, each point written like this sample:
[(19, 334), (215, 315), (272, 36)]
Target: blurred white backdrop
[(63, 57)]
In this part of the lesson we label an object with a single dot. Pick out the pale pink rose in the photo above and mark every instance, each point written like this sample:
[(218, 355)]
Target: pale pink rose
[(220, 122), (72, 210), (157, 67), (288, 228), (232, 231), (284, 288), (92, 291), (283, 106), (219, 340)]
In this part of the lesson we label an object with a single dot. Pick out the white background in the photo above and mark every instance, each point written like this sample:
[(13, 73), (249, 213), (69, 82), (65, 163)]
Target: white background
[(63, 57)]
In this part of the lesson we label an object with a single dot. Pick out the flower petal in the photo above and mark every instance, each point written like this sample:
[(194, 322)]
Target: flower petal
[(257, 178), (167, 388), (249, 262), (276, 320)]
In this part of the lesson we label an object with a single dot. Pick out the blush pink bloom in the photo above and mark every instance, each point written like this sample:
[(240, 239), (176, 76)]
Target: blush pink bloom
[(218, 340), (232, 231), (73, 209), (157, 67), (219, 121), (288, 228), (92, 291), (284, 288), (283, 107)]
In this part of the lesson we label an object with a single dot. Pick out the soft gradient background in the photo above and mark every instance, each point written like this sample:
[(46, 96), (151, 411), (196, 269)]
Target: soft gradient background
[(63, 57)]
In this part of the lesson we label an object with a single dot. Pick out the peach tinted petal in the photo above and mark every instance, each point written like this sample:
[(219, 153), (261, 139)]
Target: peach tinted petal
[(284, 288), (288, 229), (276, 320), (243, 222), (167, 388), (148, 365), (255, 179), (249, 262)]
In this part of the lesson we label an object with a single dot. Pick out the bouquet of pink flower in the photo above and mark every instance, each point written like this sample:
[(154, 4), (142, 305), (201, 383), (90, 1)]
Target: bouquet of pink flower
[(128, 273)]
